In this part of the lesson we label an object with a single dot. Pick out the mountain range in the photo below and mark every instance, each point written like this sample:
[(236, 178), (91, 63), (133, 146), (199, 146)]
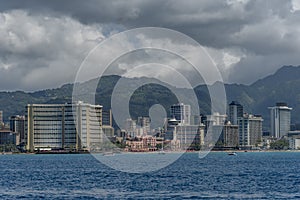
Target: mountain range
[(282, 86)]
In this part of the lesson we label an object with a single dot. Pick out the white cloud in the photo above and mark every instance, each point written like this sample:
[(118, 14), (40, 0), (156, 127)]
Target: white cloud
[(46, 51), (295, 5)]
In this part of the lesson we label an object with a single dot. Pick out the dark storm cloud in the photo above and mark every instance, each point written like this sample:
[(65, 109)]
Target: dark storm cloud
[(212, 23), (257, 36)]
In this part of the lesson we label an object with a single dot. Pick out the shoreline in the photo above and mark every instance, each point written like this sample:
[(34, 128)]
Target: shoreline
[(157, 152)]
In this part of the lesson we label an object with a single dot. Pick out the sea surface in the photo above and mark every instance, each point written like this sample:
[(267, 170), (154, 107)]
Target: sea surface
[(249, 175)]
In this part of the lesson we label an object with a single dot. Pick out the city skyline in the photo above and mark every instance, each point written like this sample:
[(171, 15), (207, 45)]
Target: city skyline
[(78, 127)]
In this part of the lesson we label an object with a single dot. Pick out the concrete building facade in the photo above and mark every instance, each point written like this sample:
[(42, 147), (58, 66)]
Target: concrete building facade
[(280, 119), (250, 130), (17, 125), (75, 126), (235, 111), (230, 135)]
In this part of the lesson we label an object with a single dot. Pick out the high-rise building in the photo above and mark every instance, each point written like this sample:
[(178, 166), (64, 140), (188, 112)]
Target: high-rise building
[(235, 111), (1, 120), (17, 125), (250, 130), (182, 113), (1, 116), (75, 126), (280, 120), (106, 117), (230, 135), (131, 127), (107, 128), (143, 123)]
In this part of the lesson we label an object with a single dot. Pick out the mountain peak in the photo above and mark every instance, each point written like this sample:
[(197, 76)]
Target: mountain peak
[(288, 68), (285, 73)]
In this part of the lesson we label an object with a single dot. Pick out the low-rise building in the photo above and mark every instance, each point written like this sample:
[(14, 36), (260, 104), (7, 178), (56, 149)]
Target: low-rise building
[(294, 143), (142, 144), (294, 139)]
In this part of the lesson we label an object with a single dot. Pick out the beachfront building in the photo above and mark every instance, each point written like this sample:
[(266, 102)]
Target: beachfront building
[(294, 143), (229, 136), (66, 126), (1, 116), (280, 120), (1, 120), (250, 130), (142, 144), (294, 139)]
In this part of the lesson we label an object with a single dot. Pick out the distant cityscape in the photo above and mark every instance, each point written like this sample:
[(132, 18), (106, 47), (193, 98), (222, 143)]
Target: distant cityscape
[(81, 127)]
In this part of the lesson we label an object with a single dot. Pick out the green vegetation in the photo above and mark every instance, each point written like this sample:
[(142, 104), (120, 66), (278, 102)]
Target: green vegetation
[(194, 147), (281, 86), (280, 144), (8, 148)]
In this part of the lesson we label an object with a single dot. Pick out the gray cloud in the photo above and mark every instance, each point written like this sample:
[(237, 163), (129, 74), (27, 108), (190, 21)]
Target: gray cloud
[(42, 51), (40, 37)]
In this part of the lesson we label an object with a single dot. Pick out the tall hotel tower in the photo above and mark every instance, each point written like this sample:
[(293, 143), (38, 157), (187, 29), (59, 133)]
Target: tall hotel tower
[(235, 112), (280, 120)]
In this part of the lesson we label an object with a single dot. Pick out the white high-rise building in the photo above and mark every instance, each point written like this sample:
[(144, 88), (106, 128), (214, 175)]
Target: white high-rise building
[(75, 126), (181, 113), (280, 120)]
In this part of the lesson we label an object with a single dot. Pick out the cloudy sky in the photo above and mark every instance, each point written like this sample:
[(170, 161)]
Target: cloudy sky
[(43, 43)]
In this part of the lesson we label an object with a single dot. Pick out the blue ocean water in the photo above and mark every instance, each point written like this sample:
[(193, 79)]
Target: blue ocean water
[(261, 175)]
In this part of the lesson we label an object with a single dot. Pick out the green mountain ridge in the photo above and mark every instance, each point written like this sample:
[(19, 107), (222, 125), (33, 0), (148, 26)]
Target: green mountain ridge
[(256, 98)]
